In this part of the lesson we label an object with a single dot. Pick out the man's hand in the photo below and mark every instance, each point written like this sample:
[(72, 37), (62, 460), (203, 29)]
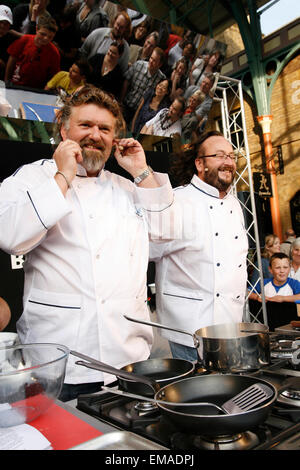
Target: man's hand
[(66, 156), (131, 157)]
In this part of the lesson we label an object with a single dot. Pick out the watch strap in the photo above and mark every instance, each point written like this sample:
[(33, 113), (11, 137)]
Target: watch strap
[(143, 175)]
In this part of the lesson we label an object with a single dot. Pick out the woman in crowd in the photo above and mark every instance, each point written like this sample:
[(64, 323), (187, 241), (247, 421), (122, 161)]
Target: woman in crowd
[(106, 72), (190, 120), (295, 257), (139, 33), (178, 78), (272, 245), (90, 16), (72, 80), (25, 16), (152, 102), (206, 64)]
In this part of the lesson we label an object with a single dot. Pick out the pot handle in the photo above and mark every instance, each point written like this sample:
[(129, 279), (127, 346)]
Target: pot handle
[(158, 325), (98, 365)]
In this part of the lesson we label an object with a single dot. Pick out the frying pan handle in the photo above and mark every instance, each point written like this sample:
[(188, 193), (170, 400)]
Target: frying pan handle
[(98, 365), (158, 325)]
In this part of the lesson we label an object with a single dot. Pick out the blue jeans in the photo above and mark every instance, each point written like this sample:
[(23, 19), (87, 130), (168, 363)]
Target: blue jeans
[(179, 351)]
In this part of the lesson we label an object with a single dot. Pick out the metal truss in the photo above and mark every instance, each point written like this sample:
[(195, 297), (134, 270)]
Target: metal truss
[(229, 94)]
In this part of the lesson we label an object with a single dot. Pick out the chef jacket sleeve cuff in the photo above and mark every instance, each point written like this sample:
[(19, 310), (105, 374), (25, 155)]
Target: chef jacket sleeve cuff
[(155, 199), (49, 203)]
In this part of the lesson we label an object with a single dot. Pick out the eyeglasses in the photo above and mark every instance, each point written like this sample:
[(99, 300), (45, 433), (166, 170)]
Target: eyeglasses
[(223, 155)]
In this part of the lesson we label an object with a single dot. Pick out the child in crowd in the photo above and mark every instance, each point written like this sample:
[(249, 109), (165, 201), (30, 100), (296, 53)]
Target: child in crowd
[(34, 59), (281, 288)]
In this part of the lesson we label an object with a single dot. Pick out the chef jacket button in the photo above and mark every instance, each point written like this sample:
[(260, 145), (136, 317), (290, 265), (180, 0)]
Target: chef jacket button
[(240, 265), (218, 295), (236, 237), (218, 264), (230, 212), (237, 296), (222, 203), (216, 234)]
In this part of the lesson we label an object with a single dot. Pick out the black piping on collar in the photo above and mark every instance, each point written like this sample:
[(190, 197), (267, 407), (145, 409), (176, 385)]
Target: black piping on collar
[(204, 192)]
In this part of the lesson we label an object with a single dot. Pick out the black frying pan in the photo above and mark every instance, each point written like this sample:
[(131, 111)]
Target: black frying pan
[(214, 388), (159, 371)]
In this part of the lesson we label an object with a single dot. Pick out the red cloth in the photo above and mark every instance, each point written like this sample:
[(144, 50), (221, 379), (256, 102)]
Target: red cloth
[(35, 66), (173, 39)]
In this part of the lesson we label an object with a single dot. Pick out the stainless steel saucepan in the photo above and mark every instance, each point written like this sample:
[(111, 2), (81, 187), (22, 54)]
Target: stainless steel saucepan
[(229, 347)]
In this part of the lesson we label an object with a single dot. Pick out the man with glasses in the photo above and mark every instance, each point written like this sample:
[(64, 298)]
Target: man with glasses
[(201, 276)]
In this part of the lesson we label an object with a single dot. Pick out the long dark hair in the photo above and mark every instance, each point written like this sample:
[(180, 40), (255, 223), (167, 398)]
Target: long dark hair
[(182, 164)]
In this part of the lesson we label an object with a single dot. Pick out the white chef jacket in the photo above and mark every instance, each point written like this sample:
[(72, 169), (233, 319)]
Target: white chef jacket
[(86, 262), (201, 278)]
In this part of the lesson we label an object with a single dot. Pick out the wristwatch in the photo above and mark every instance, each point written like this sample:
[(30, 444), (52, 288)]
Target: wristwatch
[(143, 175)]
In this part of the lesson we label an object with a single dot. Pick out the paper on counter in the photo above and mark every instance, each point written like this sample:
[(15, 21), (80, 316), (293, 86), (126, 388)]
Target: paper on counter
[(22, 437)]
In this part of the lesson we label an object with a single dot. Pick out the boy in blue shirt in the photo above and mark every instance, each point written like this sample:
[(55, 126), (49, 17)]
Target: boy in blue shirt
[(281, 288)]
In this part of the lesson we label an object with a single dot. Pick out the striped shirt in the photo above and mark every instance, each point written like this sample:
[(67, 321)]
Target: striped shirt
[(140, 80)]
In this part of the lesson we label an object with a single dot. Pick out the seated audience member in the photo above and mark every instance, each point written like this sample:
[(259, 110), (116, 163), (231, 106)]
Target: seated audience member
[(106, 71), (172, 40), (178, 78), (197, 69), (5, 37), (272, 245), (190, 120), (5, 314), (176, 52), (279, 288), (141, 76), (139, 33), (25, 16), (100, 39), (90, 16), (203, 109), (211, 66), (33, 59), (167, 121), (143, 52), (153, 101), (295, 259), (290, 237), (67, 39), (72, 80)]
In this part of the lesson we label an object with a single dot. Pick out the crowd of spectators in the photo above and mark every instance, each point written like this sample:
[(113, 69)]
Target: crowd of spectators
[(54, 45)]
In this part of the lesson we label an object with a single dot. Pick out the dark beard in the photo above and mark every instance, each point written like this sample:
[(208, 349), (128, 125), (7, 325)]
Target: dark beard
[(212, 178)]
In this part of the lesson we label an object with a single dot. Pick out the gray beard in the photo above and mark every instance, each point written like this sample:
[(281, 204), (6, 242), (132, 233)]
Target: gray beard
[(93, 160)]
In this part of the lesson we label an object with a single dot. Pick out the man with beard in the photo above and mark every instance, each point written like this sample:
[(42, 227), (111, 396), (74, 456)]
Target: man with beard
[(99, 40), (167, 121), (85, 236), (201, 277)]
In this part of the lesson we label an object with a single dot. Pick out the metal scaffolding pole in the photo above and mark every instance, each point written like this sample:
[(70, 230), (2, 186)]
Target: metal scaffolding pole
[(232, 98)]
